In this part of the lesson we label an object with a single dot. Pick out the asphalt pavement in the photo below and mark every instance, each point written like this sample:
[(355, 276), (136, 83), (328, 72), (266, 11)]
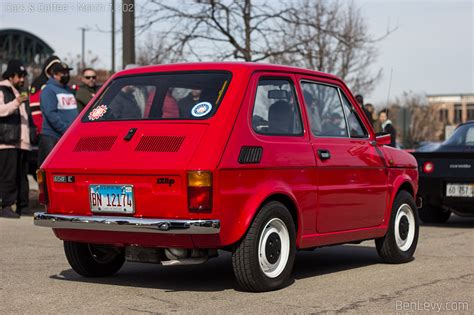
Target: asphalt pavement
[(35, 278)]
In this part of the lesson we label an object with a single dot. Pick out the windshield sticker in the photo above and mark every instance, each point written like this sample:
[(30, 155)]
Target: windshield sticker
[(98, 112), (201, 109)]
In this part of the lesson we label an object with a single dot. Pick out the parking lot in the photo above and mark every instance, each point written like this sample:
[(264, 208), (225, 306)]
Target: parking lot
[(36, 278)]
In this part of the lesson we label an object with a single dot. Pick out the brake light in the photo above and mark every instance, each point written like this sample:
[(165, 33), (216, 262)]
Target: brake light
[(428, 167), (43, 190), (199, 191)]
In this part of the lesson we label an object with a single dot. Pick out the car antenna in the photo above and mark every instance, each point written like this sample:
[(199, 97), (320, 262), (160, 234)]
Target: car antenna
[(388, 94)]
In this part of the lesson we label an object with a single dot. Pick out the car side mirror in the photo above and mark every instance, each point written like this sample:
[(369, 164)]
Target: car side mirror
[(383, 139)]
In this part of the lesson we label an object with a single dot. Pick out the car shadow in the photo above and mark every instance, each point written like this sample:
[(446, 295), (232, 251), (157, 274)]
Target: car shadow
[(217, 273), (333, 259), (454, 221)]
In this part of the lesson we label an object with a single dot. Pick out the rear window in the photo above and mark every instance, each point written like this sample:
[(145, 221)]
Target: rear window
[(462, 136), (190, 96)]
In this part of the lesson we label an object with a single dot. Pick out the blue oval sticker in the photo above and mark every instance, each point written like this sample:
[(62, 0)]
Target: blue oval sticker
[(201, 109)]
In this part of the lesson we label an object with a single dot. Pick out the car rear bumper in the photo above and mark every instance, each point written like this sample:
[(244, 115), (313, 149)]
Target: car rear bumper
[(433, 193), (127, 224)]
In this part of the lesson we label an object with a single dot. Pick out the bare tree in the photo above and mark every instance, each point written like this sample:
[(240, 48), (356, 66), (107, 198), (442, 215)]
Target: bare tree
[(220, 29), (157, 50), (332, 37), (91, 61), (424, 122), (328, 36)]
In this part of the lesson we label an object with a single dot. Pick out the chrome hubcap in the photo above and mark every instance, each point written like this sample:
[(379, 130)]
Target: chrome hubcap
[(274, 248)]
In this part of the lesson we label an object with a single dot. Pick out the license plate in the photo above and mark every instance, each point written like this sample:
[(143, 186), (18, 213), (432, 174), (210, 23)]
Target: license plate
[(460, 190), (112, 198)]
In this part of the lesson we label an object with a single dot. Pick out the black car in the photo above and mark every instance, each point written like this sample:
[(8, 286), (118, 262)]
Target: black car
[(447, 176)]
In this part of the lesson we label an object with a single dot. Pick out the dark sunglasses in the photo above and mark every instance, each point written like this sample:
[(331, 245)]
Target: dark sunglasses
[(91, 77)]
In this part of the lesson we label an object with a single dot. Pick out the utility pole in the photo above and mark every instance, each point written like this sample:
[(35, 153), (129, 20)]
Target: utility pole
[(83, 30), (113, 36), (128, 32)]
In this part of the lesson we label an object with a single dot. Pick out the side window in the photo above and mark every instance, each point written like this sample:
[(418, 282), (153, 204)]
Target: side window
[(356, 127), (275, 111), (324, 109)]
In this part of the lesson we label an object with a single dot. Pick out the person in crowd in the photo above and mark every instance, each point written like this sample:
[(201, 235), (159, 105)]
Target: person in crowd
[(88, 88), (170, 106), (313, 113), (360, 100), (186, 104), (369, 110), (59, 109), (125, 105), (36, 88), (15, 120), (332, 127), (387, 127)]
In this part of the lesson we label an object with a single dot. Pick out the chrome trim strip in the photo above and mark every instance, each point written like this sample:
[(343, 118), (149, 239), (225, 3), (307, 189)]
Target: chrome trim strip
[(126, 224)]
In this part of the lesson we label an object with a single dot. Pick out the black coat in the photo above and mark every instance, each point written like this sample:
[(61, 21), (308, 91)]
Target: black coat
[(393, 134)]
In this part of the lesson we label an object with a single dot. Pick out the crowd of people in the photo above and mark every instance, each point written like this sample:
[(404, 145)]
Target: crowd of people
[(39, 117)]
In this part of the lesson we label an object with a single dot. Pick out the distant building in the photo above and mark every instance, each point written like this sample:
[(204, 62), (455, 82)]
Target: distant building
[(453, 109)]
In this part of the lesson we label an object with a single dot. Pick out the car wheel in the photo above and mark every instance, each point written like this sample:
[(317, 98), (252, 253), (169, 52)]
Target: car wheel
[(399, 244), (91, 260), (430, 214), (264, 259)]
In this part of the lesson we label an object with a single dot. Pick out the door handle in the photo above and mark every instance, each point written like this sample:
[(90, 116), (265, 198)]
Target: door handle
[(130, 134), (324, 154)]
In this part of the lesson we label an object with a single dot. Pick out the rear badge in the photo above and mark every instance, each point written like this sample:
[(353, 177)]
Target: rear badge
[(63, 179), (98, 112), (201, 109)]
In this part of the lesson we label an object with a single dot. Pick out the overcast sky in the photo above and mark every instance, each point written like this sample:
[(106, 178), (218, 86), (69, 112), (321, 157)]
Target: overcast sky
[(432, 51)]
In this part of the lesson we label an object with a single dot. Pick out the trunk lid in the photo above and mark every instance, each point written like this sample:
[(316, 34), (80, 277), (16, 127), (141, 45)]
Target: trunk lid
[(154, 162)]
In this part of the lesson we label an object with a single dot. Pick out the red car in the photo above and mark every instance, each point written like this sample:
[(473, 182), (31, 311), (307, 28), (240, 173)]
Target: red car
[(168, 164)]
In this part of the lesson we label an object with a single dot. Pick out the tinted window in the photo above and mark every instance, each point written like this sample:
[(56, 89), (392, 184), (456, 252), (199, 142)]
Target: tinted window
[(193, 95), (275, 111), (324, 110), (356, 128)]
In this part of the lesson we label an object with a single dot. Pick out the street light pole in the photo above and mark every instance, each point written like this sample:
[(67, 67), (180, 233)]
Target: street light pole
[(83, 63), (128, 32)]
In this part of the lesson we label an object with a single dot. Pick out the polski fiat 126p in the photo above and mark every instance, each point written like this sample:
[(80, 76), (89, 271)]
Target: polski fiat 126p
[(167, 164)]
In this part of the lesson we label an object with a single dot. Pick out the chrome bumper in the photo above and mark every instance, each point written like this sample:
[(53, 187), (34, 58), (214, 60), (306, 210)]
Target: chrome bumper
[(124, 224)]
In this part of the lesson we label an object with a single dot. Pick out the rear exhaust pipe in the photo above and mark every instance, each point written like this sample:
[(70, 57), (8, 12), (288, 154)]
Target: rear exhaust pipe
[(169, 256), (177, 253)]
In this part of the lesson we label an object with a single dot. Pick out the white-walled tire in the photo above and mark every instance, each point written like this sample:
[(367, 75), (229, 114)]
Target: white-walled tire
[(264, 259), (399, 244)]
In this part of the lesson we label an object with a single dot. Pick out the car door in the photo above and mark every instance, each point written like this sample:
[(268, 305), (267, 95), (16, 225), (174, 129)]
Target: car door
[(351, 175)]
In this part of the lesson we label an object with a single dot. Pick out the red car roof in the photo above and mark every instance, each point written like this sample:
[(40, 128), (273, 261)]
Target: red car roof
[(230, 66)]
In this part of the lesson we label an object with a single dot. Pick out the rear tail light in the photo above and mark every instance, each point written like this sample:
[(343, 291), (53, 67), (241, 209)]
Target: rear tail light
[(199, 191), (43, 190), (428, 167)]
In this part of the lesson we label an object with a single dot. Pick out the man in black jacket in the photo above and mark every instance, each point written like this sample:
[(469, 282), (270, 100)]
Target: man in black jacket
[(15, 120), (387, 127)]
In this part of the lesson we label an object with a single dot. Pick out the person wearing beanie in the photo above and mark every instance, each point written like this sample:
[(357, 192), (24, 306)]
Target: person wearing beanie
[(59, 109), (36, 88), (14, 141)]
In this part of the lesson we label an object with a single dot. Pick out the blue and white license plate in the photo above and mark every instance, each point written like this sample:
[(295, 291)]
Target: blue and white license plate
[(112, 199)]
